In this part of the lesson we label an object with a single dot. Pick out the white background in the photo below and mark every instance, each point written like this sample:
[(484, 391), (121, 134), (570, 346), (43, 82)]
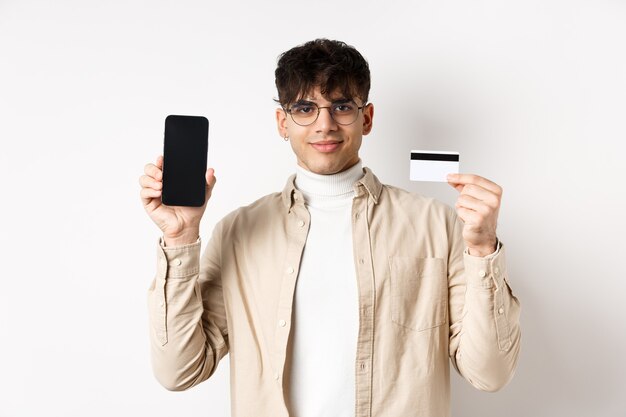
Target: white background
[(531, 93)]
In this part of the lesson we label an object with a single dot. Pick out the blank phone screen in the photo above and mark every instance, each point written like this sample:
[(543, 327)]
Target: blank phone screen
[(184, 160)]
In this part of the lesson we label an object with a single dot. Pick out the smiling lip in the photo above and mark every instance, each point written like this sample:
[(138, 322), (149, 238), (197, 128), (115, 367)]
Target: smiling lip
[(326, 146)]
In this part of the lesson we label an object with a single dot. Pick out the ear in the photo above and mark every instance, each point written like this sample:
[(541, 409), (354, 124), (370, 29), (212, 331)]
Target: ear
[(281, 122), (368, 118)]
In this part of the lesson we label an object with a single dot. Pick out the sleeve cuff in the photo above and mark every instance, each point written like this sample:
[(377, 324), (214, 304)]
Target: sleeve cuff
[(488, 271), (179, 261)]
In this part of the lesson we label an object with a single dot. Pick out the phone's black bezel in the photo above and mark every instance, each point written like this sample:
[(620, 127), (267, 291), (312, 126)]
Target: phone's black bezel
[(193, 192)]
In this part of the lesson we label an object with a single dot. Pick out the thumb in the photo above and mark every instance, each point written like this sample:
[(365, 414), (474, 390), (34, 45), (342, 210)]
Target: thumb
[(210, 183), (210, 178), (458, 187)]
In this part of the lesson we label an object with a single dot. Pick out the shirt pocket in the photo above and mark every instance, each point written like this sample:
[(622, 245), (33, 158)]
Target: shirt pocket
[(418, 292)]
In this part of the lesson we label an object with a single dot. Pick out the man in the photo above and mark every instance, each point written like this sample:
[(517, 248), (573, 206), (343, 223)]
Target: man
[(339, 296)]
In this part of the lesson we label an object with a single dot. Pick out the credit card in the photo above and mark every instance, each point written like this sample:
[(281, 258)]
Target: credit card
[(433, 165)]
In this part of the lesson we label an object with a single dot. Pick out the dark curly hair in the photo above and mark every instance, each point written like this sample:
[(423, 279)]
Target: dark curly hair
[(332, 65)]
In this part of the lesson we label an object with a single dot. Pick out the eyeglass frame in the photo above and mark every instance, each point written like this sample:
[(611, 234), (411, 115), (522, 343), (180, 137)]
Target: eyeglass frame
[(319, 110)]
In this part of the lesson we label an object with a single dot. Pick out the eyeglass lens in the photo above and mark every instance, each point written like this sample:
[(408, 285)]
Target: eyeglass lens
[(305, 113)]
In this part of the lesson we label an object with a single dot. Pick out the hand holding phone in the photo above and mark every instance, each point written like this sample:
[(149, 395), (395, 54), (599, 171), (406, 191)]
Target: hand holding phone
[(179, 224)]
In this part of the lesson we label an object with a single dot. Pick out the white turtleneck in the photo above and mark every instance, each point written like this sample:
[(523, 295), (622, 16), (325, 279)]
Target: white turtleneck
[(326, 312)]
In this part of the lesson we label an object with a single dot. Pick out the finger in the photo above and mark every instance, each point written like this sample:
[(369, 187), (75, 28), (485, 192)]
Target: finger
[(470, 217), (476, 180), (159, 162), (149, 182), (152, 205), (148, 195), (481, 194), (153, 171), (474, 204)]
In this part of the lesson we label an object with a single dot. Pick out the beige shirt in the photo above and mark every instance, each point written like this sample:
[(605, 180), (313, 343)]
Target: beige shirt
[(422, 300)]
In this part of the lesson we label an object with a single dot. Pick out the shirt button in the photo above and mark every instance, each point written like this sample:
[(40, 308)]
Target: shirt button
[(162, 304), (482, 273), (496, 270), (176, 262), (282, 323), (356, 216), (501, 310), (290, 270), (276, 376), (301, 223), (362, 261)]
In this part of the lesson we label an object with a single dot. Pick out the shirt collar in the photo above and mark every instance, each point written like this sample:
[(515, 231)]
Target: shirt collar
[(369, 183)]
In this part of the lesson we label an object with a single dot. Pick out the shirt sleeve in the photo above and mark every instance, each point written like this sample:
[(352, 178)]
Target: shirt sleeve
[(484, 316), (187, 318)]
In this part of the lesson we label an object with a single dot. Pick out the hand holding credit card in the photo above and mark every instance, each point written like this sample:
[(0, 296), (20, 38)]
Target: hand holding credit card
[(433, 165), (477, 205)]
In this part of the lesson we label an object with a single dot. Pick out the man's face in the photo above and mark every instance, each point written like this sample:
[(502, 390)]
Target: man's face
[(326, 147)]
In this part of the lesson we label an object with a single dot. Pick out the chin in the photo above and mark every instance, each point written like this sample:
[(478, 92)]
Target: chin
[(328, 170), (323, 166), (323, 171)]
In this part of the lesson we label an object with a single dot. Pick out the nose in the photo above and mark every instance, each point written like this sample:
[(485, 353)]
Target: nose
[(325, 121)]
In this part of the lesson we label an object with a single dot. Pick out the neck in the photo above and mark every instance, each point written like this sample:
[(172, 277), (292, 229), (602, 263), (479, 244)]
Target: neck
[(318, 188)]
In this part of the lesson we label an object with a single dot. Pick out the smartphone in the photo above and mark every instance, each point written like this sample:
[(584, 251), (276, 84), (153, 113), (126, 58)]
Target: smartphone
[(185, 150)]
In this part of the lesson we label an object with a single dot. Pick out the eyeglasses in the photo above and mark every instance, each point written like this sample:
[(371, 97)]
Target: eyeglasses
[(305, 113)]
